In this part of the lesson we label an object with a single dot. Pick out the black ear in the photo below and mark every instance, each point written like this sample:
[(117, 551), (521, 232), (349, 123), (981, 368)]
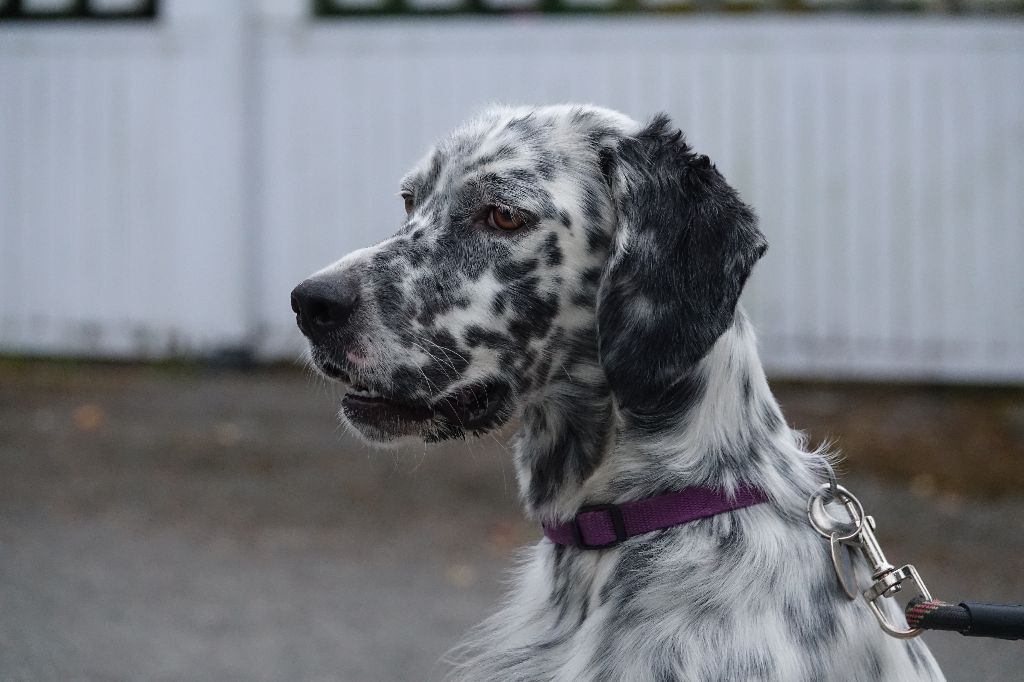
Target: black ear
[(684, 246)]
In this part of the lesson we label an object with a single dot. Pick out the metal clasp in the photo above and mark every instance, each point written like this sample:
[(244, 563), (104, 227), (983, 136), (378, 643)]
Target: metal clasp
[(859, 533)]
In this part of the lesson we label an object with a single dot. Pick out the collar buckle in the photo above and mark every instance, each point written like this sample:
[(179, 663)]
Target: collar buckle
[(618, 525)]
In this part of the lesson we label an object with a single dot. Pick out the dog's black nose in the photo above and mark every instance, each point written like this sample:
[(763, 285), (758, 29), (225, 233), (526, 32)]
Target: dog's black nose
[(321, 306)]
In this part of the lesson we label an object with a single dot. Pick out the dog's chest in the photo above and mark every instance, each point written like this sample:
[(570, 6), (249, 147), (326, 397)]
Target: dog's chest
[(691, 605)]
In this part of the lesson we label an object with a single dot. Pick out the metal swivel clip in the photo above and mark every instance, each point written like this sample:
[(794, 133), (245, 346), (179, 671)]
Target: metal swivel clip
[(859, 533)]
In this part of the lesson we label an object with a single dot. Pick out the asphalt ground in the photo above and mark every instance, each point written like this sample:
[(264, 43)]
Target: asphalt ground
[(182, 523)]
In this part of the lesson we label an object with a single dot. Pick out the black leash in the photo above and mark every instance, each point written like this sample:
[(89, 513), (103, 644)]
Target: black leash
[(971, 618)]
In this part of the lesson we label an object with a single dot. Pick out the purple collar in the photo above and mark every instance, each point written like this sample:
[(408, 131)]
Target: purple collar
[(598, 526)]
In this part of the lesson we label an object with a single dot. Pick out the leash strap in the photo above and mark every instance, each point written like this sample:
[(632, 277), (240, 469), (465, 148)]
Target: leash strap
[(599, 526), (970, 618)]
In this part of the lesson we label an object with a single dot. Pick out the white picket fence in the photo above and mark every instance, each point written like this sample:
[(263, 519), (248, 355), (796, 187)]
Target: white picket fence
[(164, 185)]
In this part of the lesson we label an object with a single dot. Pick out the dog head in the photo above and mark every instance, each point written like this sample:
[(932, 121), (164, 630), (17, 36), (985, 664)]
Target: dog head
[(540, 247)]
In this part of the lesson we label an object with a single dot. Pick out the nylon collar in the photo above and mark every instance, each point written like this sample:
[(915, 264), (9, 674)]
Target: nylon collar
[(599, 526)]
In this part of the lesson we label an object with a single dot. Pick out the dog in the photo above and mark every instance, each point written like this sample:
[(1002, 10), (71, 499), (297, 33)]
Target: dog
[(578, 272)]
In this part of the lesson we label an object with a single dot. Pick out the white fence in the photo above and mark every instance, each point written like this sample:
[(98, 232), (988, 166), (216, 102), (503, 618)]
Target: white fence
[(163, 186)]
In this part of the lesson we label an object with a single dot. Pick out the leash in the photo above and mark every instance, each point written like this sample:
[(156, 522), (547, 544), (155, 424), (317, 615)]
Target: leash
[(970, 618)]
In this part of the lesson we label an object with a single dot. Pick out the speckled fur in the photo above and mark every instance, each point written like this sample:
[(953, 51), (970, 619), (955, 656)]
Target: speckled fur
[(612, 321)]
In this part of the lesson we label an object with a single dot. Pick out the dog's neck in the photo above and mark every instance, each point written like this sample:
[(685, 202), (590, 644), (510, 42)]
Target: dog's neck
[(575, 448)]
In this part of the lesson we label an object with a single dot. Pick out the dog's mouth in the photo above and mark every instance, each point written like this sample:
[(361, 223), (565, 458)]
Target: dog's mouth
[(362, 404), (384, 416)]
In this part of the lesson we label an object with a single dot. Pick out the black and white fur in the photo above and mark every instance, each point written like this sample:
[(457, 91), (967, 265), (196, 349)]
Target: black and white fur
[(608, 326)]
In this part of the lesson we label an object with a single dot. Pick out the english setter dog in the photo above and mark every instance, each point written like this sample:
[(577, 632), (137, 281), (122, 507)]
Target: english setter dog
[(573, 270)]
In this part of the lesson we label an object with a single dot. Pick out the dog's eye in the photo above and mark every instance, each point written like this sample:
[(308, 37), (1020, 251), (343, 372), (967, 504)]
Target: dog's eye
[(503, 219), (409, 203)]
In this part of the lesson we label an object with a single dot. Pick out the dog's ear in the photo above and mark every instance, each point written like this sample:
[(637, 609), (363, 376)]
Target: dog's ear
[(683, 248)]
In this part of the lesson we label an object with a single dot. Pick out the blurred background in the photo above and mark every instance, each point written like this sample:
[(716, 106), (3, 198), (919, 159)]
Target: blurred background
[(177, 500)]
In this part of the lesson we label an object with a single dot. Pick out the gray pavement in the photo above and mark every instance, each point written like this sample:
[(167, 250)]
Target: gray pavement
[(181, 524)]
